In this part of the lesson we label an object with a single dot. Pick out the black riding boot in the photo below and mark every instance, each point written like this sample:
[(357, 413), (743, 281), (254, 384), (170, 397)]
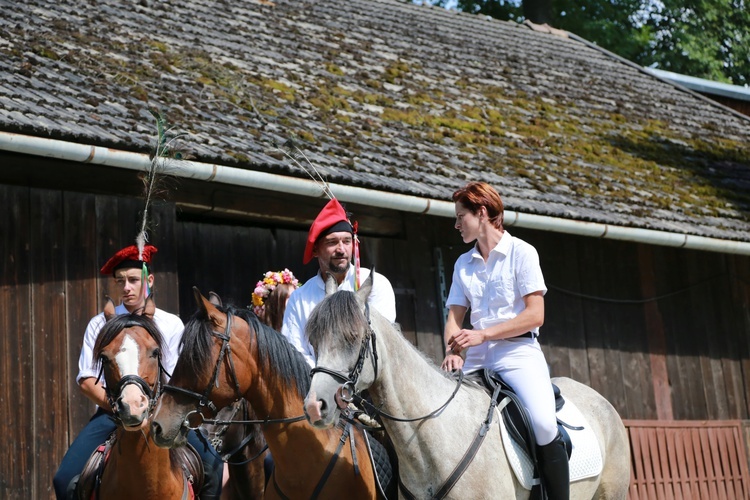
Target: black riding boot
[(553, 465)]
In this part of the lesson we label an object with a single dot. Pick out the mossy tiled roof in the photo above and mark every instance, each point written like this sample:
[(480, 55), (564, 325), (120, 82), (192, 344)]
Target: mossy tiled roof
[(383, 94)]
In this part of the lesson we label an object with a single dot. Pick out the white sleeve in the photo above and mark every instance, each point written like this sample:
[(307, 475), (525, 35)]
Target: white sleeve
[(529, 275), (457, 295), (172, 336), (293, 328), (86, 366), (383, 298)]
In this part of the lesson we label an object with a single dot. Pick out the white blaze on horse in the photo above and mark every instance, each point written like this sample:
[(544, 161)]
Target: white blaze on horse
[(129, 348), (358, 349)]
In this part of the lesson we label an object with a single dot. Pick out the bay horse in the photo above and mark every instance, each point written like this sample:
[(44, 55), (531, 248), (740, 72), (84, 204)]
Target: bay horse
[(358, 349), (240, 445), (129, 348), (228, 353)]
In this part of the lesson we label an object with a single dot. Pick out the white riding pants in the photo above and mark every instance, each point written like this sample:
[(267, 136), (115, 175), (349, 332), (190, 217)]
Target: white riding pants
[(521, 363)]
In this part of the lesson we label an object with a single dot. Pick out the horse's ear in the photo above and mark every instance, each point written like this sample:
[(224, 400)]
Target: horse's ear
[(214, 298), (149, 309), (366, 288), (331, 285), (205, 306), (109, 308), (199, 301)]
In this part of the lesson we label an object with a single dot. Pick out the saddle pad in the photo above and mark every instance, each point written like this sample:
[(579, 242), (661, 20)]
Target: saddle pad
[(585, 461), (381, 462)]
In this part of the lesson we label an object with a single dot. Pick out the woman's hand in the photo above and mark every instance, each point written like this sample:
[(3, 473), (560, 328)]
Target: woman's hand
[(452, 362), (465, 339)]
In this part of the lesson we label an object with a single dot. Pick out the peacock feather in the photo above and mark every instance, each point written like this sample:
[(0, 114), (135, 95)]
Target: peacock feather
[(167, 148)]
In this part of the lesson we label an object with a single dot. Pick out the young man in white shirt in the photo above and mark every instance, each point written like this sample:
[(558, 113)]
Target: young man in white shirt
[(131, 270)]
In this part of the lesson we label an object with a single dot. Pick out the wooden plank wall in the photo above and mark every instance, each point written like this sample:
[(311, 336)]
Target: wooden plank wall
[(230, 259), (53, 245), (16, 347), (658, 331)]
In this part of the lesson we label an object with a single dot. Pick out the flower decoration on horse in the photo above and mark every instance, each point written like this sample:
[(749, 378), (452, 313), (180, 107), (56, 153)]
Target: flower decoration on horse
[(267, 285)]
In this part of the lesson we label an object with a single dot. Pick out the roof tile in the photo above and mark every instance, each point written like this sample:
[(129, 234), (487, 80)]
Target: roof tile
[(387, 95)]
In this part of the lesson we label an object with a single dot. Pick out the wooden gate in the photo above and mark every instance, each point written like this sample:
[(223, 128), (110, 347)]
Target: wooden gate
[(688, 460)]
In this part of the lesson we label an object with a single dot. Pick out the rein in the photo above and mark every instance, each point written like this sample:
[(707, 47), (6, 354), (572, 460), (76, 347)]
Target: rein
[(349, 394), (204, 398)]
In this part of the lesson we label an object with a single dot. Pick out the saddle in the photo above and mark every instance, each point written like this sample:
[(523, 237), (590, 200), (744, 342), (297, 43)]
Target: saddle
[(515, 416), (87, 483)]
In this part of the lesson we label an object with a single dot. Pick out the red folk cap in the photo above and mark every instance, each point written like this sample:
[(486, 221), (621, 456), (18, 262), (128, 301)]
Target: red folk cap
[(128, 258), (330, 220)]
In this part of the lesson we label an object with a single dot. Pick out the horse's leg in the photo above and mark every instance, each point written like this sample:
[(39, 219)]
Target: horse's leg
[(615, 478), (613, 482)]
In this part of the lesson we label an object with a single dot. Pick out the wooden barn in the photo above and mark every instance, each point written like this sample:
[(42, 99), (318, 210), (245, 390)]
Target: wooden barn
[(635, 192)]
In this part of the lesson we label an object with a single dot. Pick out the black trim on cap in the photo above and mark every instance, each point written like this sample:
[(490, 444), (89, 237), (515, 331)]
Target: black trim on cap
[(340, 226)]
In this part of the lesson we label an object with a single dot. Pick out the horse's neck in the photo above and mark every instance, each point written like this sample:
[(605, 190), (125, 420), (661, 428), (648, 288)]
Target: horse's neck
[(267, 393), (407, 381), (294, 445), (135, 461), (409, 387)]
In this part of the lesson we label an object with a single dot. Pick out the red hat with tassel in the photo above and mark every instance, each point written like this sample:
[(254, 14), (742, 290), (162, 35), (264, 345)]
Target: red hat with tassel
[(331, 219)]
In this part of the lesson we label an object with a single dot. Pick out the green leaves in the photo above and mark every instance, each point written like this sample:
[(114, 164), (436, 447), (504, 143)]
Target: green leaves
[(702, 38)]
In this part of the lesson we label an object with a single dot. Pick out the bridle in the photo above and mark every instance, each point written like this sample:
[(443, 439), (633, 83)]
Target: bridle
[(204, 399), (348, 390), (131, 379)]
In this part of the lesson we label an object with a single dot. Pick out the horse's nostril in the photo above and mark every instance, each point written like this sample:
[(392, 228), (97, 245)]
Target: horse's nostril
[(156, 428), (323, 405)]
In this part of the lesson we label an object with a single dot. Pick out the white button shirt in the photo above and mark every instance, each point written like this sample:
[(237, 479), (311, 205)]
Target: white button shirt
[(169, 325), (303, 300), (494, 291)]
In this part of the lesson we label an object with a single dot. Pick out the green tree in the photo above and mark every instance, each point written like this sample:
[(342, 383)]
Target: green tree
[(704, 38)]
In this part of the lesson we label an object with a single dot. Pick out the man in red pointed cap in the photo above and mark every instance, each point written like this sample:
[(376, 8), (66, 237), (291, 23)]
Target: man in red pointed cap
[(332, 240), (131, 270)]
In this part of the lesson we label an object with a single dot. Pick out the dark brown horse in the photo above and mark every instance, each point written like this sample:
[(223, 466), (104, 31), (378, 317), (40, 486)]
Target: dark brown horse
[(228, 353), (243, 448), (129, 347)]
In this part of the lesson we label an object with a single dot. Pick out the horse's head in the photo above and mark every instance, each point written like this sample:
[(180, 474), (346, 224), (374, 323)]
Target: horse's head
[(340, 331), (204, 378), (129, 349)]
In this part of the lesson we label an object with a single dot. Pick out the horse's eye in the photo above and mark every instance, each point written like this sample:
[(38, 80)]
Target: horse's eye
[(156, 353), (103, 359)]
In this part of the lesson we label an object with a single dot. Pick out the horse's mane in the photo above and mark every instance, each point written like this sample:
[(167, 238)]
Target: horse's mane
[(277, 356), (338, 317)]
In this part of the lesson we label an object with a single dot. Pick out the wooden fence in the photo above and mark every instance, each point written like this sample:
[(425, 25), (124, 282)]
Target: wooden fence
[(688, 460)]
